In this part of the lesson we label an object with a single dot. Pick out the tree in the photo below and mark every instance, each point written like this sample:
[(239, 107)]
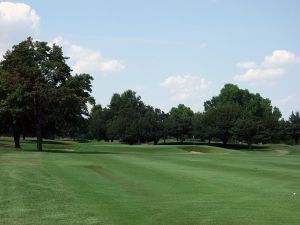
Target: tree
[(294, 126), (246, 129), (260, 110), (99, 122), (199, 126), (73, 96), (129, 119), (127, 111), (40, 88), (180, 119), (204, 126), (223, 110), (14, 102), (225, 115), (246, 116), (152, 124)]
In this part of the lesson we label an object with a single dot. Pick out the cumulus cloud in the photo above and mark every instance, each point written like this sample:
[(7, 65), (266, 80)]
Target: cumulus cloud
[(84, 60), (17, 21), (281, 58), (269, 71), (260, 75), (187, 87), (246, 65), (112, 66)]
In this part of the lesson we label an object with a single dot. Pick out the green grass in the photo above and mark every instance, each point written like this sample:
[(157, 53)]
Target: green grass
[(100, 183)]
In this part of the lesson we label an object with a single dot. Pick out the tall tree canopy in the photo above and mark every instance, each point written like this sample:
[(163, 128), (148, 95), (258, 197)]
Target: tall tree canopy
[(180, 121), (294, 126), (37, 86), (237, 113), (128, 119)]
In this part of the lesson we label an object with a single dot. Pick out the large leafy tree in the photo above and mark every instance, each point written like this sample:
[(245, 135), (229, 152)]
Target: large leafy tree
[(127, 111), (38, 87), (180, 121), (247, 129), (237, 113), (203, 126), (152, 124), (99, 122), (128, 119), (294, 126), (223, 110), (225, 115)]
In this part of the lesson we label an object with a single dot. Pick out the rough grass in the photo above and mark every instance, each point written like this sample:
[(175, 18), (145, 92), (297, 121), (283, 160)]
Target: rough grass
[(100, 183)]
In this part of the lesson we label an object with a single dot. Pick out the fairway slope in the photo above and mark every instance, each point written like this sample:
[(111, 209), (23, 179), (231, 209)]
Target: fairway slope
[(148, 185)]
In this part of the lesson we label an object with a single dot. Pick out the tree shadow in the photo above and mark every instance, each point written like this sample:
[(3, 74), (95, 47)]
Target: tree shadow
[(182, 143), (50, 142), (242, 147), (76, 152), (5, 145), (230, 146)]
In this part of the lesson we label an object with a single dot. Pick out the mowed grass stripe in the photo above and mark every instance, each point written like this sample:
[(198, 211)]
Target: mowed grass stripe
[(71, 188)]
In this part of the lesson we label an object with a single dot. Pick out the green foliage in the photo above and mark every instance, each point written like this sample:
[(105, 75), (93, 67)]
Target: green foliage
[(246, 129), (180, 121), (294, 126), (39, 96), (127, 118), (38, 92), (241, 115)]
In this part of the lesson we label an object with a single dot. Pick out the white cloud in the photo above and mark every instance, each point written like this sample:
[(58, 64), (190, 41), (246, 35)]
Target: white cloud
[(84, 60), (112, 66), (246, 65), (280, 58), (259, 76), (187, 87), (269, 71), (17, 21)]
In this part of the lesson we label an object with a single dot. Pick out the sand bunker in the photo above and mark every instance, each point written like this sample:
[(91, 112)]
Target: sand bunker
[(282, 152), (194, 152)]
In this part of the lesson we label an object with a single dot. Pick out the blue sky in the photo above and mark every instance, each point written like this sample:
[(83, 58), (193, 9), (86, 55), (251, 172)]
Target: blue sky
[(170, 52)]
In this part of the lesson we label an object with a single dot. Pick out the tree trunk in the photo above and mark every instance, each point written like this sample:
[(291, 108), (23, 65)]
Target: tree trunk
[(24, 137), (250, 145), (182, 138), (209, 140), (17, 138), (296, 140), (224, 140), (39, 138), (38, 121), (156, 140)]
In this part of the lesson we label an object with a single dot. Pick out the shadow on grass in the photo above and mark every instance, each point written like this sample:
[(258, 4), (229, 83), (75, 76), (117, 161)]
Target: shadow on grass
[(76, 152), (6, 145), (50, 142), (242, 147)]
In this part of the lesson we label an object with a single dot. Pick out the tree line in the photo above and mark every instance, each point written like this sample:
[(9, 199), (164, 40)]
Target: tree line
[(235, 115), (39, 97)]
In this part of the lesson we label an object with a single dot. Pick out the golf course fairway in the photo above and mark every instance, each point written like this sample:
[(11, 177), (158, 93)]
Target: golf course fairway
[(98, 183)]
